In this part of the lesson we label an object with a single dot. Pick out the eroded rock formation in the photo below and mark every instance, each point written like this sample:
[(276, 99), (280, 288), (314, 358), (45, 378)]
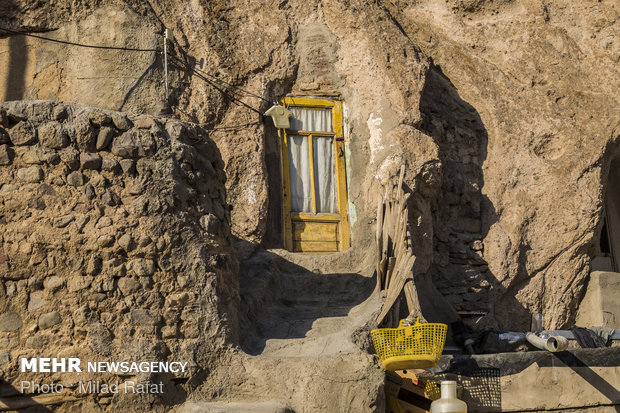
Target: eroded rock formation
[(505, 114)]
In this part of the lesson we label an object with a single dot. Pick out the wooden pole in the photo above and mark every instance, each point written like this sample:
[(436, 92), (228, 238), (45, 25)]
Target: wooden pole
[(395, 259), (413, 303), (378, 242)]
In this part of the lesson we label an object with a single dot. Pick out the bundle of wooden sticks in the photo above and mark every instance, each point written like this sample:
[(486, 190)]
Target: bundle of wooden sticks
[(395, 257)]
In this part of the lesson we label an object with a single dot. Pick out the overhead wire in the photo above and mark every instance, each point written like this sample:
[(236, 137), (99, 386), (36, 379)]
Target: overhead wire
[(231, 85), (129, 49), (213, 80), (235, 100), (223, 82), (220, 87)]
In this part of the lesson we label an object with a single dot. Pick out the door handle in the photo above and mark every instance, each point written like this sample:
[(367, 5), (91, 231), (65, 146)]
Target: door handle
[(340, 152)]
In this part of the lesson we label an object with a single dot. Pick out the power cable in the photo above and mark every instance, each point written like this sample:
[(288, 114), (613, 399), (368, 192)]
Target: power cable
[(129, 49), (201, 76), (217, 79), (199, 73), (233, 86), (235, 100)]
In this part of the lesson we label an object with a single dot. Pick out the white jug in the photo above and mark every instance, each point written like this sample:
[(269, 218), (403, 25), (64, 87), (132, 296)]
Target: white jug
[(448, 403)]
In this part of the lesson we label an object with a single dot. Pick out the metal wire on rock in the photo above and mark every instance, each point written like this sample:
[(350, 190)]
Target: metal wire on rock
[(129, 49)]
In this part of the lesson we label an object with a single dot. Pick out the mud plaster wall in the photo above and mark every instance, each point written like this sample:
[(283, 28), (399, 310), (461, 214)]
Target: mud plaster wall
[(115, 243), (111, 79)]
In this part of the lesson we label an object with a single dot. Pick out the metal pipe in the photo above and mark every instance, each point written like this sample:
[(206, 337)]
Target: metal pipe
[(512, 336), (552, 344)]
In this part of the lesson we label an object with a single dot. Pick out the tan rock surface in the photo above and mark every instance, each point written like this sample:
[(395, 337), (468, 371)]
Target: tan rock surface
[(504, 113), (543, 79), (512, 106)]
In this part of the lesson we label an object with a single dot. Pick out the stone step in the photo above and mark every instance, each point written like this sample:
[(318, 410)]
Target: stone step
[(234, 407), (304, 323), (308, 330), (289, 310), (340, 285), (317, 263), (323, 345), (323, 383)]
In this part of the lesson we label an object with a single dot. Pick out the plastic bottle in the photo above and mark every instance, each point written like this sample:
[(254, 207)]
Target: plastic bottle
[(448, 403), (538, 323)]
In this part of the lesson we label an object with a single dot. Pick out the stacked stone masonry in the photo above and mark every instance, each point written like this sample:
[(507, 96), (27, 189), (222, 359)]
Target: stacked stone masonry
[(115, 240), (459, 269)]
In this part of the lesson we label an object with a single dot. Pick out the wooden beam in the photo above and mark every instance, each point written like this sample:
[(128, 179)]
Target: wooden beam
[(344, 236), (391, 262), (378, 238), (399, 189), (413, 303), (286, 193), (395, 288), (382, 271)]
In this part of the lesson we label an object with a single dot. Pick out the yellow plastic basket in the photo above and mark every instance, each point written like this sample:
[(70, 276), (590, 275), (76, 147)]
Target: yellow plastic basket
[(415, 347), (432, 390)]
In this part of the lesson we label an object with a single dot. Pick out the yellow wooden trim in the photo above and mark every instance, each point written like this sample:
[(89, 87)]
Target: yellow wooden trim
[(341, 178), (312, 184), (307, 133), (325, 217), (314, 231), (343, 233), (337, 118), (286, 193), (307, 102), (315, 246)]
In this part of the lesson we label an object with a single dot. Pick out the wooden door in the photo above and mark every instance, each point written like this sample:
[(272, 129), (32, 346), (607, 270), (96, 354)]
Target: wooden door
[(314, 179)]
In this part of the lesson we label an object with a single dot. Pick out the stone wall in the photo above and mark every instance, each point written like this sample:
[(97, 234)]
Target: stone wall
[(582, 380), (459, 268), (115, 242)]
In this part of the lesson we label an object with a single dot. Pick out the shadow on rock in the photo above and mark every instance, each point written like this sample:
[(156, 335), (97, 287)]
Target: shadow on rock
[(462, 214)]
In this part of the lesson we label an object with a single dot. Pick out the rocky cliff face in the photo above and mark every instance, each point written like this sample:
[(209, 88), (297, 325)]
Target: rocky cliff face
[(528, 155), (115, 245), (504, 113), (118, 232)]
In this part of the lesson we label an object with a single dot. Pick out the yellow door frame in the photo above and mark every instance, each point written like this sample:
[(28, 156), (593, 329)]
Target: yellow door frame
[(342, 217)]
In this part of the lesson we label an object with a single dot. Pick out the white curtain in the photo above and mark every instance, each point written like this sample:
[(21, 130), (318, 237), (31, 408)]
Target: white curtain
[(324, 173), (308, 119), (299, 166), (312, 120)]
